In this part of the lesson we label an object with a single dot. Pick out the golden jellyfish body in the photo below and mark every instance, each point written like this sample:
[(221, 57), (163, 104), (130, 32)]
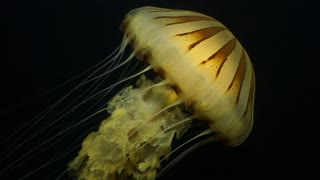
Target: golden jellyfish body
[(205, 75)]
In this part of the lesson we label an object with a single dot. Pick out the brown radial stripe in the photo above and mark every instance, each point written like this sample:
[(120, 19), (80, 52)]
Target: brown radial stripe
[(183, 19), (239, 76), (251, 96), (222, 54), (201, 35)]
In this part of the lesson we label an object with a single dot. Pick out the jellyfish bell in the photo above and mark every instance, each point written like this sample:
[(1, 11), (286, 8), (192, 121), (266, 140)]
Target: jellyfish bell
[(197, 55), (203, 74), (204, 71)]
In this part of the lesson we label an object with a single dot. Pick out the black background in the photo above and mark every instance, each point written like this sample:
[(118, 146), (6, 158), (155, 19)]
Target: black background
[(47, 42)]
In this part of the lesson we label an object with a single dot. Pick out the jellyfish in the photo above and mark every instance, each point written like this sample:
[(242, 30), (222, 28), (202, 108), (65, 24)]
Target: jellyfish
[(195, 71), (203, 73)]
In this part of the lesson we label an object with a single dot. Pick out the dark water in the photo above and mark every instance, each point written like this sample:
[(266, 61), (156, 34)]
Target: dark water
[(48, 42)]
